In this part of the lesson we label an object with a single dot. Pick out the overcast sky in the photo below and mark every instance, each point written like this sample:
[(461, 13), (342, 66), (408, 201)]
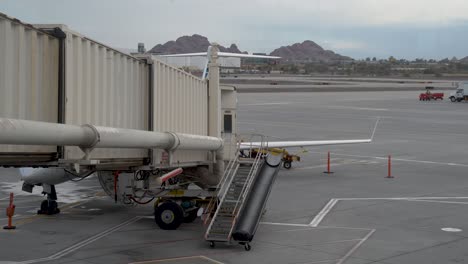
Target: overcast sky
[(356, 28)]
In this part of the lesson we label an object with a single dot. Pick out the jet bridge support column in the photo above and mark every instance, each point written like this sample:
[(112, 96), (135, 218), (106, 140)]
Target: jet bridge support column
[(214, 108)]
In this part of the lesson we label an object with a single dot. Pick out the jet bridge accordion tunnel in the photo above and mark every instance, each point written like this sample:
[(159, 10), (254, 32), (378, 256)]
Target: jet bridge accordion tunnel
[(53, 74)]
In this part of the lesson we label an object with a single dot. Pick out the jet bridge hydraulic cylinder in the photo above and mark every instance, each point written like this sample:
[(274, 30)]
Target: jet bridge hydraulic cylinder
[(25, 132)]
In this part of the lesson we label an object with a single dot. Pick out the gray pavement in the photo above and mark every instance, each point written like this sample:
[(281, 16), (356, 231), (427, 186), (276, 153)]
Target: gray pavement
[(353, 216), (290, 84)]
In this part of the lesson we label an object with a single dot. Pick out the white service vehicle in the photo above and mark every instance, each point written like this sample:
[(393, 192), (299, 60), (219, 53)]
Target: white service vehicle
[(461, 94)]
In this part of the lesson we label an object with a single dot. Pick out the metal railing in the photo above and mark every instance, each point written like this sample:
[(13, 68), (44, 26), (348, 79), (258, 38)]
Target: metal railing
[(228, 179), (249, 180)]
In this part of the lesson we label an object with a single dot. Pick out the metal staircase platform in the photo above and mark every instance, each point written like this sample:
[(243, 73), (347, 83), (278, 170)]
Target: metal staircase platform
[(232, 192)]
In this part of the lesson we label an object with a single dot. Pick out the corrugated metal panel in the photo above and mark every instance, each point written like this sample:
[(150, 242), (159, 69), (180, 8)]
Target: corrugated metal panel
[(28, 77), (180, 105), (106, 88)]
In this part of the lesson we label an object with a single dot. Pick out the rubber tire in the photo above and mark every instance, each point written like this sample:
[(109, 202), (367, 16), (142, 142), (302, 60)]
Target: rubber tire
[(212, 244), (247, 247), (287, 165), (453, 99), (192, 215), (177, 212), (44, 207), (48, 208), (53, 208)]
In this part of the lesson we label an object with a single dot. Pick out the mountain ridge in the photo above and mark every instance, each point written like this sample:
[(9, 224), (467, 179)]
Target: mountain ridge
[(307, 51)]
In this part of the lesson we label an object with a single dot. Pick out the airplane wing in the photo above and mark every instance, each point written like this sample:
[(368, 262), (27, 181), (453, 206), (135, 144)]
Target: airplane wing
[(310, 143), (290, 144), (241, 55), (221, 54), (196, 54)]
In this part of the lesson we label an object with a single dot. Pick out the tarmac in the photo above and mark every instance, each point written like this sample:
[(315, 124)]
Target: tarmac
[(355, 216), (289, 84)]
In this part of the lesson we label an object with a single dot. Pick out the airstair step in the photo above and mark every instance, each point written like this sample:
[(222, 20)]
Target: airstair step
[(225, 219), (222, 232), (217, 238), (222, 225)]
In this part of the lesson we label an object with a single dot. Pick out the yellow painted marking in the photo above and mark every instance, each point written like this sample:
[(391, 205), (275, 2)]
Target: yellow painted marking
[(177, 192)]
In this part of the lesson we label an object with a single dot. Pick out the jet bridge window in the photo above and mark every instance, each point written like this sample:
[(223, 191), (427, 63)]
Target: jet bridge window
[(228, 123)]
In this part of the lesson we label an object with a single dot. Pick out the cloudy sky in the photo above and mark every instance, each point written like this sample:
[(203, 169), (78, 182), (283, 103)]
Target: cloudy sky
[(357, 28)]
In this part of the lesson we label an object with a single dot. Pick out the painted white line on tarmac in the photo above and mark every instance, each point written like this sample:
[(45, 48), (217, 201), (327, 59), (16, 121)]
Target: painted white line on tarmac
[(395, 159), (358, 108), (329, 206), (178, 259), (296, 229), (431, 201), (279, 103), (351, 252), (402, 198), (82, 243), (332, 165), (322, 261), (284, 224), (325, 210), (342, 227)]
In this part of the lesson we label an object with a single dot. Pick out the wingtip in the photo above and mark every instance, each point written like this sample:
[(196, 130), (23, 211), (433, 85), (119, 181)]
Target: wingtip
[(375, 129)]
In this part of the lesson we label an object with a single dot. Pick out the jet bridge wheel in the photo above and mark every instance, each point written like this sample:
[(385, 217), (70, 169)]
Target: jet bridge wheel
[(287, 165), (169, 215)]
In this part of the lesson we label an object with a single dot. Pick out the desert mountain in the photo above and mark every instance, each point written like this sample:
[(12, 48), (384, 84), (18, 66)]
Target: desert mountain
[(307, 51), (464, 60), (188, 44)]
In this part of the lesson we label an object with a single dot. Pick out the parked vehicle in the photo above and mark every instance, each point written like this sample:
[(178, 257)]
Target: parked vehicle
[(427, 96), (431, 96), (288, 158), (461, 94)]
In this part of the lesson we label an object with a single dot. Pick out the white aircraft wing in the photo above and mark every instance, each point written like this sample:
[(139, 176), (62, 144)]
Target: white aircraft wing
[(307, 143), (241, 55), (290, 144), (196, 54), (221, 54)]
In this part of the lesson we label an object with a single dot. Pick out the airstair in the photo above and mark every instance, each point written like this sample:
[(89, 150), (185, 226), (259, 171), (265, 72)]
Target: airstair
[(232, 193)]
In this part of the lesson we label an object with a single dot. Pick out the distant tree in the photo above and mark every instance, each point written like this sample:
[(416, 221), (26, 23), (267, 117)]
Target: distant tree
[(429, 71), (367, 59), (374, 59), (446, 60), (392, 59), (419, 60), (294, 69)]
